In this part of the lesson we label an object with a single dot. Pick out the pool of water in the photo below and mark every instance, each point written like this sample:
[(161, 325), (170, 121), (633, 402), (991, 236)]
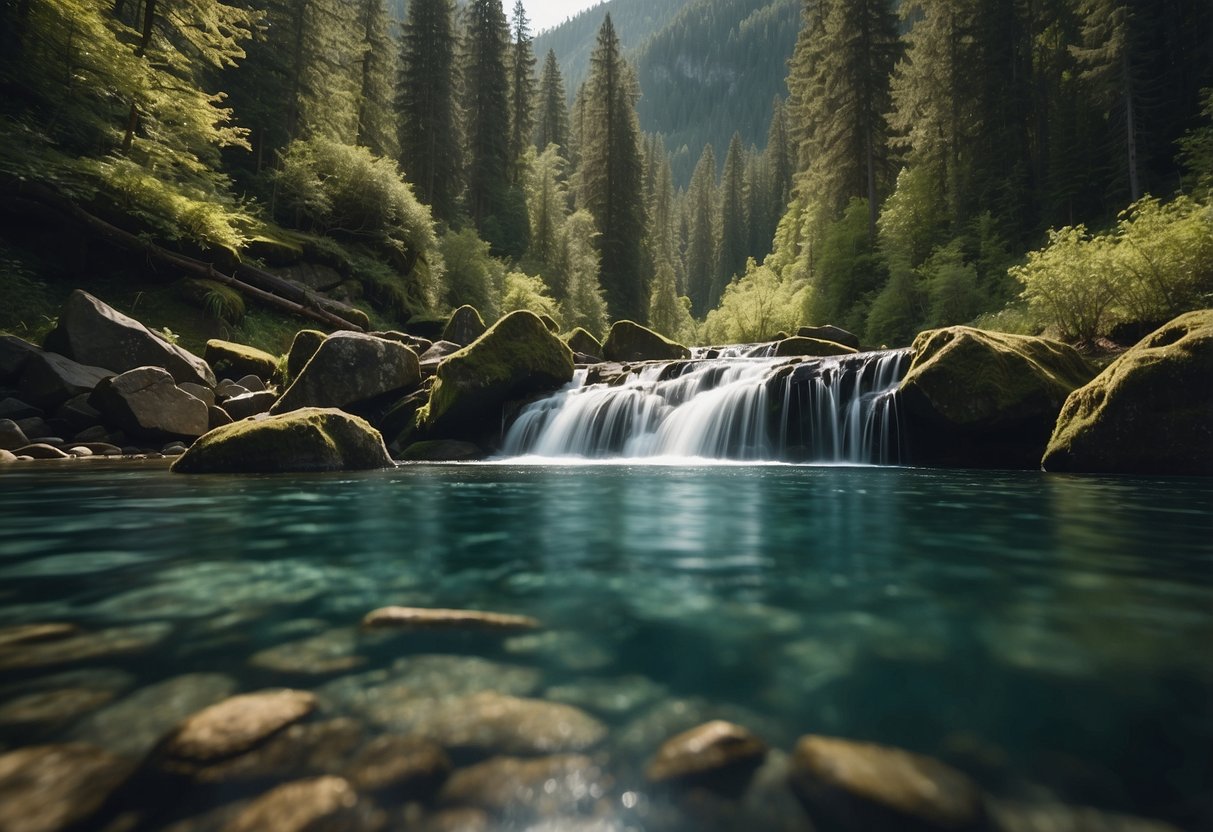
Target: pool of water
[(1047, 635)]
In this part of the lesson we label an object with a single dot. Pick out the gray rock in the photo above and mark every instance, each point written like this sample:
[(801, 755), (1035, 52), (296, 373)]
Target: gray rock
[(41, 451), (234, 726), (545, 788), (145, 402), (35, 427), (249, 404), (88, 329), (228, 389), (252, 383), (77, 414), (217, 417), (79, 451), (47, 788), (14, 352), (303, 347), (199, 391), (440, 350), (414, 342), (11, 435), (349, 368), (719, 754), (48, 379), (335, 651), (97, 433), (11, 408), (312, 275), (7, 456), (464, 326)]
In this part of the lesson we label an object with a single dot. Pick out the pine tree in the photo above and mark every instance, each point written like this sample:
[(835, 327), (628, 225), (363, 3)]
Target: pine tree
[(522, 90), (611, 176), (780, 160), (552, 124), (428, 116), (584, 305), (701, 212), (377, 91), (663, 214), (734, 235), (760, 218), (547, 202)]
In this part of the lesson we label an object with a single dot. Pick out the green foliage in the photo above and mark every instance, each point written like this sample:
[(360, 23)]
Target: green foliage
[(670, 314), (584, 305), (848, 273), (472, 275), (755, 307), (734, 233), (522, 291), (896, 312), (377, 84), (552, 121), (547, 203), (220, 302), (953, 294), (1196, 148)]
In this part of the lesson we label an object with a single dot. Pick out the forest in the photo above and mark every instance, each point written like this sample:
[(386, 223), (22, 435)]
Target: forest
[(1031, 167)]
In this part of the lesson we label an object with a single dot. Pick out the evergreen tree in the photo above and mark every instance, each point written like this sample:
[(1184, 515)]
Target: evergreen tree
[(760, 218), (584, 305), (377, 91), (663, 214), (734, 235), (522, 89), (668, 313), (780, 160), (552, 124), (428, 117), (701, 211), (611, 176), (547, 201)]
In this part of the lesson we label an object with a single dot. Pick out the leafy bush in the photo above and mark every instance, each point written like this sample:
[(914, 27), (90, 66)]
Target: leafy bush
[(522, 291), (584, 305), (669, 313), (755, 307), (472, 275)]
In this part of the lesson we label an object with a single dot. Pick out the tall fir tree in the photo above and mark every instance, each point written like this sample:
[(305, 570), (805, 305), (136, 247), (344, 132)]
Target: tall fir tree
[(780, 159), (701, 212), (734, 235), (611, 176), (377, 90), (522, 90), (552, 122), (427, 107)]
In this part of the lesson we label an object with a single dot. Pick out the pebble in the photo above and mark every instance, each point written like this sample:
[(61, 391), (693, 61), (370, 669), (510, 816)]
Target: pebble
[(80, 451)]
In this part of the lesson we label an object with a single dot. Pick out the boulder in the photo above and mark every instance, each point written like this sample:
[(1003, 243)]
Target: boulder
[(416, 343), (89, 330), (465, 326), (874, 788), (7, 456), (252, 383), (720, 755), (234, 726), (311, 439), (494, 723), (405, 767), (306, 342), (41, 450), (516, 359), (145, 403), (829, 332), (11, 435), (628, 341), (11, 408), (48, 379), (14, 352), (249, 404), (985, 399), (440, 350), (419, 618), (231, 360), (217, 417), (441, 450), (1149, 412), (426, 326), (46, 788), (817, 347), (35, 427), (581, 341), (349, 368), (550, 323), (204, 394), (77, 414)]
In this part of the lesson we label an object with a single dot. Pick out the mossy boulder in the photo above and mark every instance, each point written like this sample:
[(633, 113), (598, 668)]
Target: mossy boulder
[(235, 361), (581, 341), (629, 341), (312, 439), (985, 399), (516, 359), (350, 368), (550, 323), (306, 342), (464, 327), (1149, 412), (816, 347), (429, 327), (829, 332)]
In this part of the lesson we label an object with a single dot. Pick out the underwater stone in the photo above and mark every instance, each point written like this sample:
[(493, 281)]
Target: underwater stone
[(418, 618), (613, 695), (52, 708), (561, 785), (52, 787), (81, 646), (236, 725), (318, 803), (407, 767), (331, 652), (719, 754), (301, 750)]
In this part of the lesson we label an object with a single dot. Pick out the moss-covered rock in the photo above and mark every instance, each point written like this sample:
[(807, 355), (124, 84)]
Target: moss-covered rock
[(350, 368), (985, 399), (581, 341), (801, 345), (829, 332), (550, 323), (426, 326), (231, 360), (441, 450), (306, 342), (465, 326), (629, 341), (517, 358), (312, 439), (1149, 412)]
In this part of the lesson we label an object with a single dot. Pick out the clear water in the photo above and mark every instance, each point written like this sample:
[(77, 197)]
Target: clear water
[(1049, 635)]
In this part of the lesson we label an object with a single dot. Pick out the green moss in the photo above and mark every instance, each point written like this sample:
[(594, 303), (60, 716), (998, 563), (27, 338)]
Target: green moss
[(1150, 411), (801, 345), (582, 341), (231, 360), (629, 341), (311, 439)]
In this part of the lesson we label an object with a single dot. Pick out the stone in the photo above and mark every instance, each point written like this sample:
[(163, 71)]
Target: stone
[(1149, 412), (11, 435), (405, 767), (985, 399), (20, 634), (35, 427), (301, 750), (415, 343), (253, 384), (550, 323), (516, 359), (97, 433), (318, 803), (146, 403), (454, 820), (810, 347), (249, 404), (441, 450), (566, 649), (871, 787), (78, 646), (51, 709), (79, 451), (48, 379), (14, 352), (581, 341), (102, 448), (829, 332), (235, 725), (228, 389), (493, 723), (440, 350), (334, 651), (310, 439), (629, 341), (90, 330), (46, 788), (11, 408), (77, 414), (40, 450), (231, 360), (7, 456), (349, 368), (217, 417), (173, 449), (555, 786), (204, 394), (1057, 817), (464, 327), (418, 618), (303, 347), (718, 754)]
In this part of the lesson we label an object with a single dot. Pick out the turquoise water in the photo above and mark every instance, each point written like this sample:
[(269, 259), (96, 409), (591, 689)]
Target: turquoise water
[(1047, 635)]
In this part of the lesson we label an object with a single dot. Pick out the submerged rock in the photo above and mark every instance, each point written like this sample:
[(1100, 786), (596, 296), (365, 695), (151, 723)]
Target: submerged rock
[(231, 360), (610, 696), (90, 330), (629, 341), (47, 788), (465, 326), (1149, 412), (310, 439), (318, 803), (985, 399), (1056, 817), (557, 786), (870, 787), (51, 709), (235, 725), (301, 750), (810, 347), (567, 649), (717, 754), (517, 358), (406, 767), (81, 646), (418, 618), (333, 652), (147, 403), (349, 368), (829, 332)]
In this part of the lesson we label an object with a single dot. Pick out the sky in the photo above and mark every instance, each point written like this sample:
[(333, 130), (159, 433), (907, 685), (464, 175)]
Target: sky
[(545, 14)]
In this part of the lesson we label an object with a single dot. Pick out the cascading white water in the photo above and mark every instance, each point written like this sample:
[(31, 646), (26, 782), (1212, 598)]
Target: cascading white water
[(815, 410)]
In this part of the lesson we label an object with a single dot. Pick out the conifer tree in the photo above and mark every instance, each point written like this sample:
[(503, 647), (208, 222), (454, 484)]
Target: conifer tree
[(734, 235), (780, 159), (552, 123), (760, 216), (663, 227), (611, 176), (701, 211), (522, 89), (377, 90), (584, 305), (547, 201)]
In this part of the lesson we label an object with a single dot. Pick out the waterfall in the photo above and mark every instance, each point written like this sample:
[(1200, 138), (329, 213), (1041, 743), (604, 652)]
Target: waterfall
[(840, 409)]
